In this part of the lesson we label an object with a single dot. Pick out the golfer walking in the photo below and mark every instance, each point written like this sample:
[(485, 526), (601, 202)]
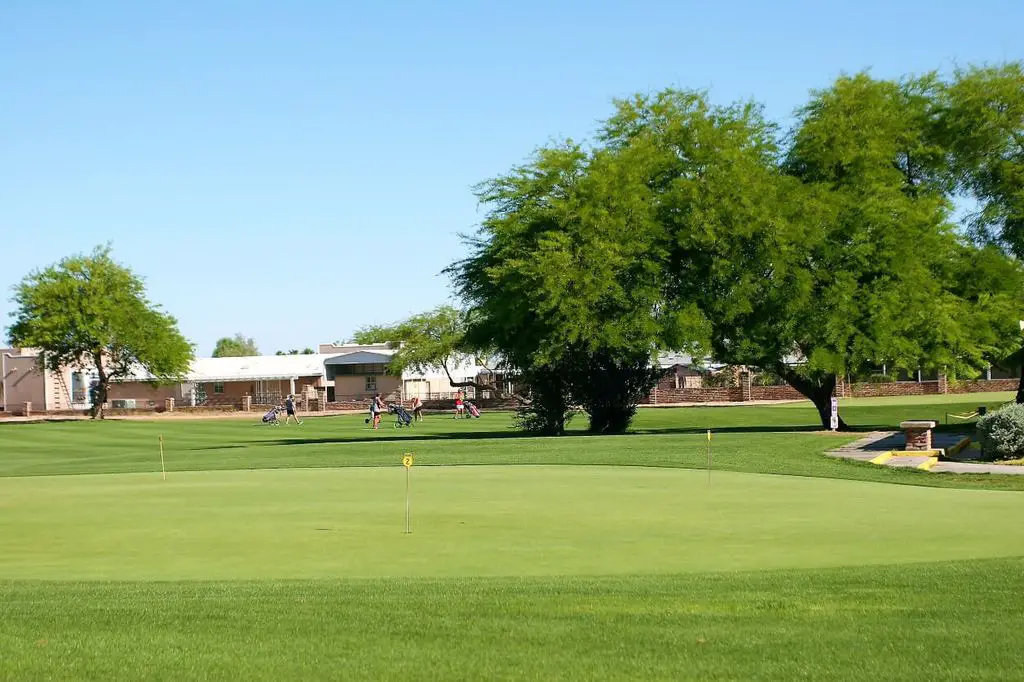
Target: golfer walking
[(289, 406)]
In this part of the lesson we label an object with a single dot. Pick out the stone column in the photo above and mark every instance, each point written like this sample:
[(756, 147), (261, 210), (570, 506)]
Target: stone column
[(169, 405), (26, 409), (918, 435), (943, 384), (745, 385), (247, 403)]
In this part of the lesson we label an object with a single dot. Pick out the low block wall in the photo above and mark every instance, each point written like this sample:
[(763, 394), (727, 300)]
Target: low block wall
[(741, 394), (983, 386), (694, 395)]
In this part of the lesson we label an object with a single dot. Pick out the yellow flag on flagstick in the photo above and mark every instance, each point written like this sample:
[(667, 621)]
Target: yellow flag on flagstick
[(709, 435)]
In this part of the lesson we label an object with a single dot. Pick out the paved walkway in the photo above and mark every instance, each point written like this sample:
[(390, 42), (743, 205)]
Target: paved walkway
[(876, 446)]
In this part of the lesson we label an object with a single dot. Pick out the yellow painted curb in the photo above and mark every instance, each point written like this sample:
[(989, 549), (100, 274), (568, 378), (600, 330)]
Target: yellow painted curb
[(928, 463), (883, 458), (959, 446)]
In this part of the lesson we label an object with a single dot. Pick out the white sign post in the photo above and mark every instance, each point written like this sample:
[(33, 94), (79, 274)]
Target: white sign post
[(834, 415)]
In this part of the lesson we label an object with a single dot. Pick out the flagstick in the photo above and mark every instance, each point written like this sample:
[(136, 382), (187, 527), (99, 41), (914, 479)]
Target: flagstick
[(709, 456), (408, 513), (163, 471)]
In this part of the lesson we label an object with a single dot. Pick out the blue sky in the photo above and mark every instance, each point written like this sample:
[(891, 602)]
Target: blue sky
[(294, 170)]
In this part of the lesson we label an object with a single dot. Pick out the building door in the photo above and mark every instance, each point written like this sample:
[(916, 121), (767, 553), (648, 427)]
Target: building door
[(416, 388)]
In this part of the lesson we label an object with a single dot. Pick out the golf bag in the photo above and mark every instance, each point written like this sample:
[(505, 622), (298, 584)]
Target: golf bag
[(402, 416), (474, 411), (271, 417)]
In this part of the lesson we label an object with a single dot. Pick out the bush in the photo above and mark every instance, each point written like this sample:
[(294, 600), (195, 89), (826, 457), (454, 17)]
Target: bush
[(1001, 433), (549, 410)]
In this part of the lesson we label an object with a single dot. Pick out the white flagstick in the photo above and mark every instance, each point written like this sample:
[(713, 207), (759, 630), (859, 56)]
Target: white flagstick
[(163, 471), (709, 456)]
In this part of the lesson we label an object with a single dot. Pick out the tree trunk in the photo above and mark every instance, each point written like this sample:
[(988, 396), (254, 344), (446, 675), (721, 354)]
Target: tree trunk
[(101, 388), (1020, 386), (818, 392)]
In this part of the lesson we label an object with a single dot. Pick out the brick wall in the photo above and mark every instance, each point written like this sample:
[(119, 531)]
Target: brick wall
[(784, 392), (694, 395), (859, 390), (982, 385), (895, 388)]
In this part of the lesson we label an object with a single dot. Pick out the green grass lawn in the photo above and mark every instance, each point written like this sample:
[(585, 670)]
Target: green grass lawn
[(481, 521), (278, 553), (945, 621), (783, 439)]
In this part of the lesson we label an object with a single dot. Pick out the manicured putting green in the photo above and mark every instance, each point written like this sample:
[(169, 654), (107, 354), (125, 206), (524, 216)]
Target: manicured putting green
[(482, 521)]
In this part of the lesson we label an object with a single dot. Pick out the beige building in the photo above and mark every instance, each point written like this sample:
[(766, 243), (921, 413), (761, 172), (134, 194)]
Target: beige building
[(338, 373), (22, 380)]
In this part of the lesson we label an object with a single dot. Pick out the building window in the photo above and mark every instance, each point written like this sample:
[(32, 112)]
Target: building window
[(355, 370), (371, 384), (218, 387)]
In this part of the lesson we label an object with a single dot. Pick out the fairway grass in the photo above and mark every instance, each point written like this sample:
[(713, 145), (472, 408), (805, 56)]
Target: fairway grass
[(776, 439), (482, 521), (278, 553), (945, 621)]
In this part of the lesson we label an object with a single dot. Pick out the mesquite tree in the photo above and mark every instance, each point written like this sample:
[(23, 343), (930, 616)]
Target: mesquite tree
[(90, 312)]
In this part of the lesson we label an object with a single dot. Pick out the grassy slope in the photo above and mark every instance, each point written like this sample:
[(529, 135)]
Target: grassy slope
[(948, 621), (478, 521), (764, 439)]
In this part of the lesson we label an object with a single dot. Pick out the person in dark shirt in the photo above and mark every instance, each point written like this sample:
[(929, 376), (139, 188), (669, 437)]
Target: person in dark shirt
[(289, 406)]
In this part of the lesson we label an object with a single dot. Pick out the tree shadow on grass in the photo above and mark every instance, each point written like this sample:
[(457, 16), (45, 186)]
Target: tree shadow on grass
[(409, 435)]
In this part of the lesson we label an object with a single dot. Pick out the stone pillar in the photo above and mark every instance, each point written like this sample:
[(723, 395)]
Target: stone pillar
[(840, 386), (26, 409), (918, 435), (943, 384), (169, 405), (247, 403), (745, 385)]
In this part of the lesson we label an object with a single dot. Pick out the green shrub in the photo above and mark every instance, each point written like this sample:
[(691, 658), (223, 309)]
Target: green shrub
[(1001, 433)]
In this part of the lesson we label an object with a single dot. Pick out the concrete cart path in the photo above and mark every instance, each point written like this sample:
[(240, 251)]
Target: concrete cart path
[(878, 444)]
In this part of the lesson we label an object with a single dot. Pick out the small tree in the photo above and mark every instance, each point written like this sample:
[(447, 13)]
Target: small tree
[(236, 346), (90, 312), (436, 338)]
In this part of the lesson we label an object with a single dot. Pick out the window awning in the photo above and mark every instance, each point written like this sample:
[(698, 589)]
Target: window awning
[(238, 379)]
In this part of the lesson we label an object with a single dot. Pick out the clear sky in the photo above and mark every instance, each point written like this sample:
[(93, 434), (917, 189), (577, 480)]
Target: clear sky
[(295, 169)]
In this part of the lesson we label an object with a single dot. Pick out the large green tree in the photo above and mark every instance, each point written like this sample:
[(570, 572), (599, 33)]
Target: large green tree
[(982, 123), (832, 252), (235, 346), (811, 254), (562, 281), (90, 312)]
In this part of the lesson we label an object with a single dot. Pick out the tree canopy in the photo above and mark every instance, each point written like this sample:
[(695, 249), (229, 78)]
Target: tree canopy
[(294, 351), (90, 312), (812, 253), (236, 346), (432, 340)]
